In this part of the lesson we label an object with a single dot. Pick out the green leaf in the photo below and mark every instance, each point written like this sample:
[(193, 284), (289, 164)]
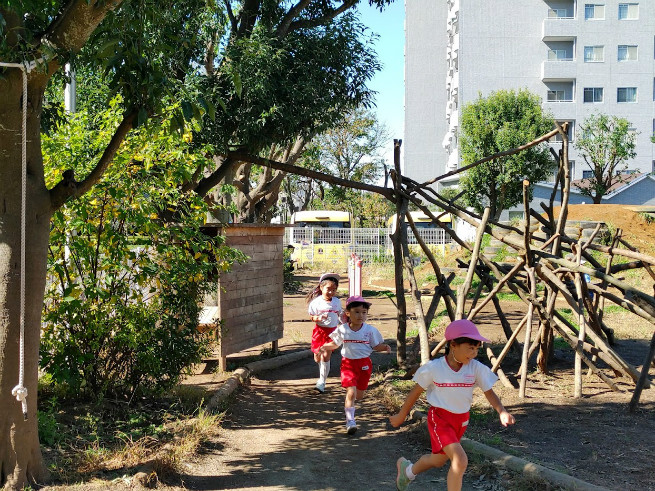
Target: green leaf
[(187, 110), (236, 78), (142, 117)]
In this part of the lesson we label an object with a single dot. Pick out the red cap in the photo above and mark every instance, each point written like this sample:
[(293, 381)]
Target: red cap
[(464, 328), (357, 298)]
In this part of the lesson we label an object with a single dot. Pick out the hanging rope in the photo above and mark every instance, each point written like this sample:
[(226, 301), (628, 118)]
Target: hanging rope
[(20, 391)]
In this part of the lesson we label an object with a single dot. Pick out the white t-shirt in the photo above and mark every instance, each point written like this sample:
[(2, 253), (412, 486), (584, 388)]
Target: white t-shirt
[(451, 390), (356, 344), (320, 306)]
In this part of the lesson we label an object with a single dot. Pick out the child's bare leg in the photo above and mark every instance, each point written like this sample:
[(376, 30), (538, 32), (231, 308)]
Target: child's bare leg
[(351, 395), (428, 461), (458, 463), (360, 394)]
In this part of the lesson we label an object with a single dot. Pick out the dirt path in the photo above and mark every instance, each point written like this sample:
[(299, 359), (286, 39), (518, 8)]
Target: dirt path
[(282, 435)]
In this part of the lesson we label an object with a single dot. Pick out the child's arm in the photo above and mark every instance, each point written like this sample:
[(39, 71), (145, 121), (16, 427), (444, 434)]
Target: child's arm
[(319, 317), (505, 417), (382, 348), (399, 418), (331, 346)]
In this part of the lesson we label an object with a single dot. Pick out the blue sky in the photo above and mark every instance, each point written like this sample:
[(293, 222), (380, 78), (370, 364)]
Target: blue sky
[(389, 83)]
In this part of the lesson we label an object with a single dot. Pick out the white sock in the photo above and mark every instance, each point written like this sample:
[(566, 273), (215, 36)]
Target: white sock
[(408, 472), (350, 413), (323, 370)]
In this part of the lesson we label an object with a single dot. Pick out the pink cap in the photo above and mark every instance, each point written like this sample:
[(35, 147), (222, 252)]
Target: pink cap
[(327, 276), (464, 328), (357, 298)]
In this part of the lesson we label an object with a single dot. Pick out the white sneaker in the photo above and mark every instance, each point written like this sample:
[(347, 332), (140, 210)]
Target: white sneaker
[(351, 427), (320, 386)]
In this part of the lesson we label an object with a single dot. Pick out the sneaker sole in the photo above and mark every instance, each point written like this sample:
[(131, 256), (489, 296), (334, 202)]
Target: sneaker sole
[(319, 390), (352, 430), (398, 473)]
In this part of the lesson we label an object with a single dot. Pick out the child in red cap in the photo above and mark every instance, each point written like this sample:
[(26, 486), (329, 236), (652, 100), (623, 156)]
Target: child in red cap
[(359, 340), (449, 382)]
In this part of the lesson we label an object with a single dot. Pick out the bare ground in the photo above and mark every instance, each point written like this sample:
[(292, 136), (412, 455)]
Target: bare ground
[(279, 434)]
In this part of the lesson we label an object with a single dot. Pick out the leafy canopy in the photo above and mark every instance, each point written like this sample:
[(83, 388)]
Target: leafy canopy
[(606, 143), (121, 310), (502, 121)]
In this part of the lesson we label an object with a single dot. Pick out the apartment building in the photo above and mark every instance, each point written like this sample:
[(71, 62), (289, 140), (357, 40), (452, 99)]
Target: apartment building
[(579, 57)]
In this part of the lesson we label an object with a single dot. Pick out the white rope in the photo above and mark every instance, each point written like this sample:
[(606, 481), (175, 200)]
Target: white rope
[(20, 391)]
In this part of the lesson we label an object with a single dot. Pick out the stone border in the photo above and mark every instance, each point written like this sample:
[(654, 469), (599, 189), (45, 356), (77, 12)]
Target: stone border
[(527, 468)]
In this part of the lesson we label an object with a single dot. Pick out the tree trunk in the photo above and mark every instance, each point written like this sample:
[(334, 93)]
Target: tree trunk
[(20, 455)]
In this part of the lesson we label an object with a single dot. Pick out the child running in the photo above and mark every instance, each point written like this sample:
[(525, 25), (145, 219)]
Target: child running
[(449, 382), (325, 311), (359, 340)]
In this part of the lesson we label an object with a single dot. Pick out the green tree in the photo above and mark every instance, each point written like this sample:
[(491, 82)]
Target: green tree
[(147, 49), (504, 120), (121, 312), (606, 143), (351, 150)]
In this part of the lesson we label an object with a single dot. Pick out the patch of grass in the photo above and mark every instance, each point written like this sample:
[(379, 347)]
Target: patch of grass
[(508, 296), (560, 343), (88, 441)]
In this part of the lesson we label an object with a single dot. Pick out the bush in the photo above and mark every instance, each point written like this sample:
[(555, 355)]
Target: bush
[(128, 267)]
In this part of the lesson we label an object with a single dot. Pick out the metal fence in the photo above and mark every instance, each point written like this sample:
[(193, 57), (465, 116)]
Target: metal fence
[(333, 246)]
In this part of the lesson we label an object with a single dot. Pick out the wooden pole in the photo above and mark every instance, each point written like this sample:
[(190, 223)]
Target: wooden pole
[(466, 286), (528, 333), (643, 377)]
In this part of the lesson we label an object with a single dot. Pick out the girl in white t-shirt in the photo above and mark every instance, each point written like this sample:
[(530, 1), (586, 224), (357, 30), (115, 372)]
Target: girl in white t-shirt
[(325, 311), (359, 340), (449, 382)]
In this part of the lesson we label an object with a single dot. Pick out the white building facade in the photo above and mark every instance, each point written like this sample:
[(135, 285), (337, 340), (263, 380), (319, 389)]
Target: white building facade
[(579, 57)]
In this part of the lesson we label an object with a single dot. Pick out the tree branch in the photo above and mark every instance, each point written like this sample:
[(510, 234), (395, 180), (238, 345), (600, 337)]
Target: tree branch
[(68, 187), (70, 30), (206, 184), (288, 26), (292, 169)]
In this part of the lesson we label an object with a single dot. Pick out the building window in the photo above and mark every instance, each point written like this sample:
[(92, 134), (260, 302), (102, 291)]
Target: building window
[(626, 94), (627, 52), (557, 54), (594, 11), (628, 11), (557, 13), (593, 94), (572, 168), (653, 168), (587, 174), (556, 95), (593, 54), (569, 132)]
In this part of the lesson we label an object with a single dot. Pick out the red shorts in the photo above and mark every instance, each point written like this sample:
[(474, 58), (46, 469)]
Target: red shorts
[(445, 427), (321, 336), (356, 373)]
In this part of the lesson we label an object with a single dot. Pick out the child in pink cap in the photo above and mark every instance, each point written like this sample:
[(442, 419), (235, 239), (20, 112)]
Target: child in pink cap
[(449, 382), (324, 309), (359, 340)]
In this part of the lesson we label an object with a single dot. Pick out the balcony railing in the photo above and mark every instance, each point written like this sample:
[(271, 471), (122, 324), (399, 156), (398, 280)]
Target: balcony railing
[(559, 70), (559, 29)]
